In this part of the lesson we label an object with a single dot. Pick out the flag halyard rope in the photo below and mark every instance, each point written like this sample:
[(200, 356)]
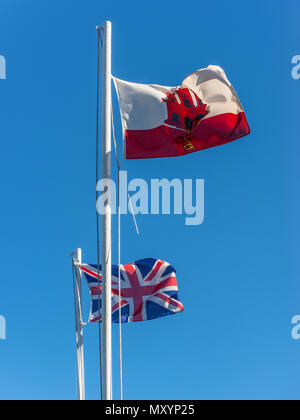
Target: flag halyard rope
[(119, 167), (119, 255)]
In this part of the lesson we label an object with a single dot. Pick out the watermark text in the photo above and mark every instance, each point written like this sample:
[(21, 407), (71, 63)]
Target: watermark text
[(2, 67), (296, 67), (2, 328), (296, 328), (159, 196)]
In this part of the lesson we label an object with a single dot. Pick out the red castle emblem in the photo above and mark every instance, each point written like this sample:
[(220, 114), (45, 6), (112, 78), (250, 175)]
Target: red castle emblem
[(185, 111)]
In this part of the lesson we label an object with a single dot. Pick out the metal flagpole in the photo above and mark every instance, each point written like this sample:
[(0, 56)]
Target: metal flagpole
[(79, 324), (106, 219)]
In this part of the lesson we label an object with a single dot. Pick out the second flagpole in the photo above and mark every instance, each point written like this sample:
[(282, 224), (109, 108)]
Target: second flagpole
[(106, 218)]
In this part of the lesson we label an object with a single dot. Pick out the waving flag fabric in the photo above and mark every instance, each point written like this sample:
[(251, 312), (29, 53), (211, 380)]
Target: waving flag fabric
[(148, 291), (160, 121)]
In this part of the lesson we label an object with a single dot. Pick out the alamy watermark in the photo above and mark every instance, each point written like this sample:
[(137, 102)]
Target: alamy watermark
[(2, 328), (160, 196), (296, 67), (2, 67), (296, 328)]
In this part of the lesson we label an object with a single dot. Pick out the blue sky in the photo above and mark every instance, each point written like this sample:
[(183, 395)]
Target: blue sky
[(237, 272)]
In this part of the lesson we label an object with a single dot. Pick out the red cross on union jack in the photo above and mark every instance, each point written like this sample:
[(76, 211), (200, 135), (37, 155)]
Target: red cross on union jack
[(148, 290)]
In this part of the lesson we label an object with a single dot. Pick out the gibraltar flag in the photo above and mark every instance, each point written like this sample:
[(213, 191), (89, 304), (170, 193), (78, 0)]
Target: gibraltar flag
[(160, 121)]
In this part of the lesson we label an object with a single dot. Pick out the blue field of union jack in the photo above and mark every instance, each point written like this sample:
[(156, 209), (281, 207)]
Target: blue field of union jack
[(148, 290)]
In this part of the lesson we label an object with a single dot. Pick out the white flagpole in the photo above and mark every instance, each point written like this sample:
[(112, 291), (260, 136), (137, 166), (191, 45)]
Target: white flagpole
[(106, 219), (79, 326)]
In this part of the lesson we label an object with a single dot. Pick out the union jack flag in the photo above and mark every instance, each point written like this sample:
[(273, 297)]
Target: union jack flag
[(148, 290)]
